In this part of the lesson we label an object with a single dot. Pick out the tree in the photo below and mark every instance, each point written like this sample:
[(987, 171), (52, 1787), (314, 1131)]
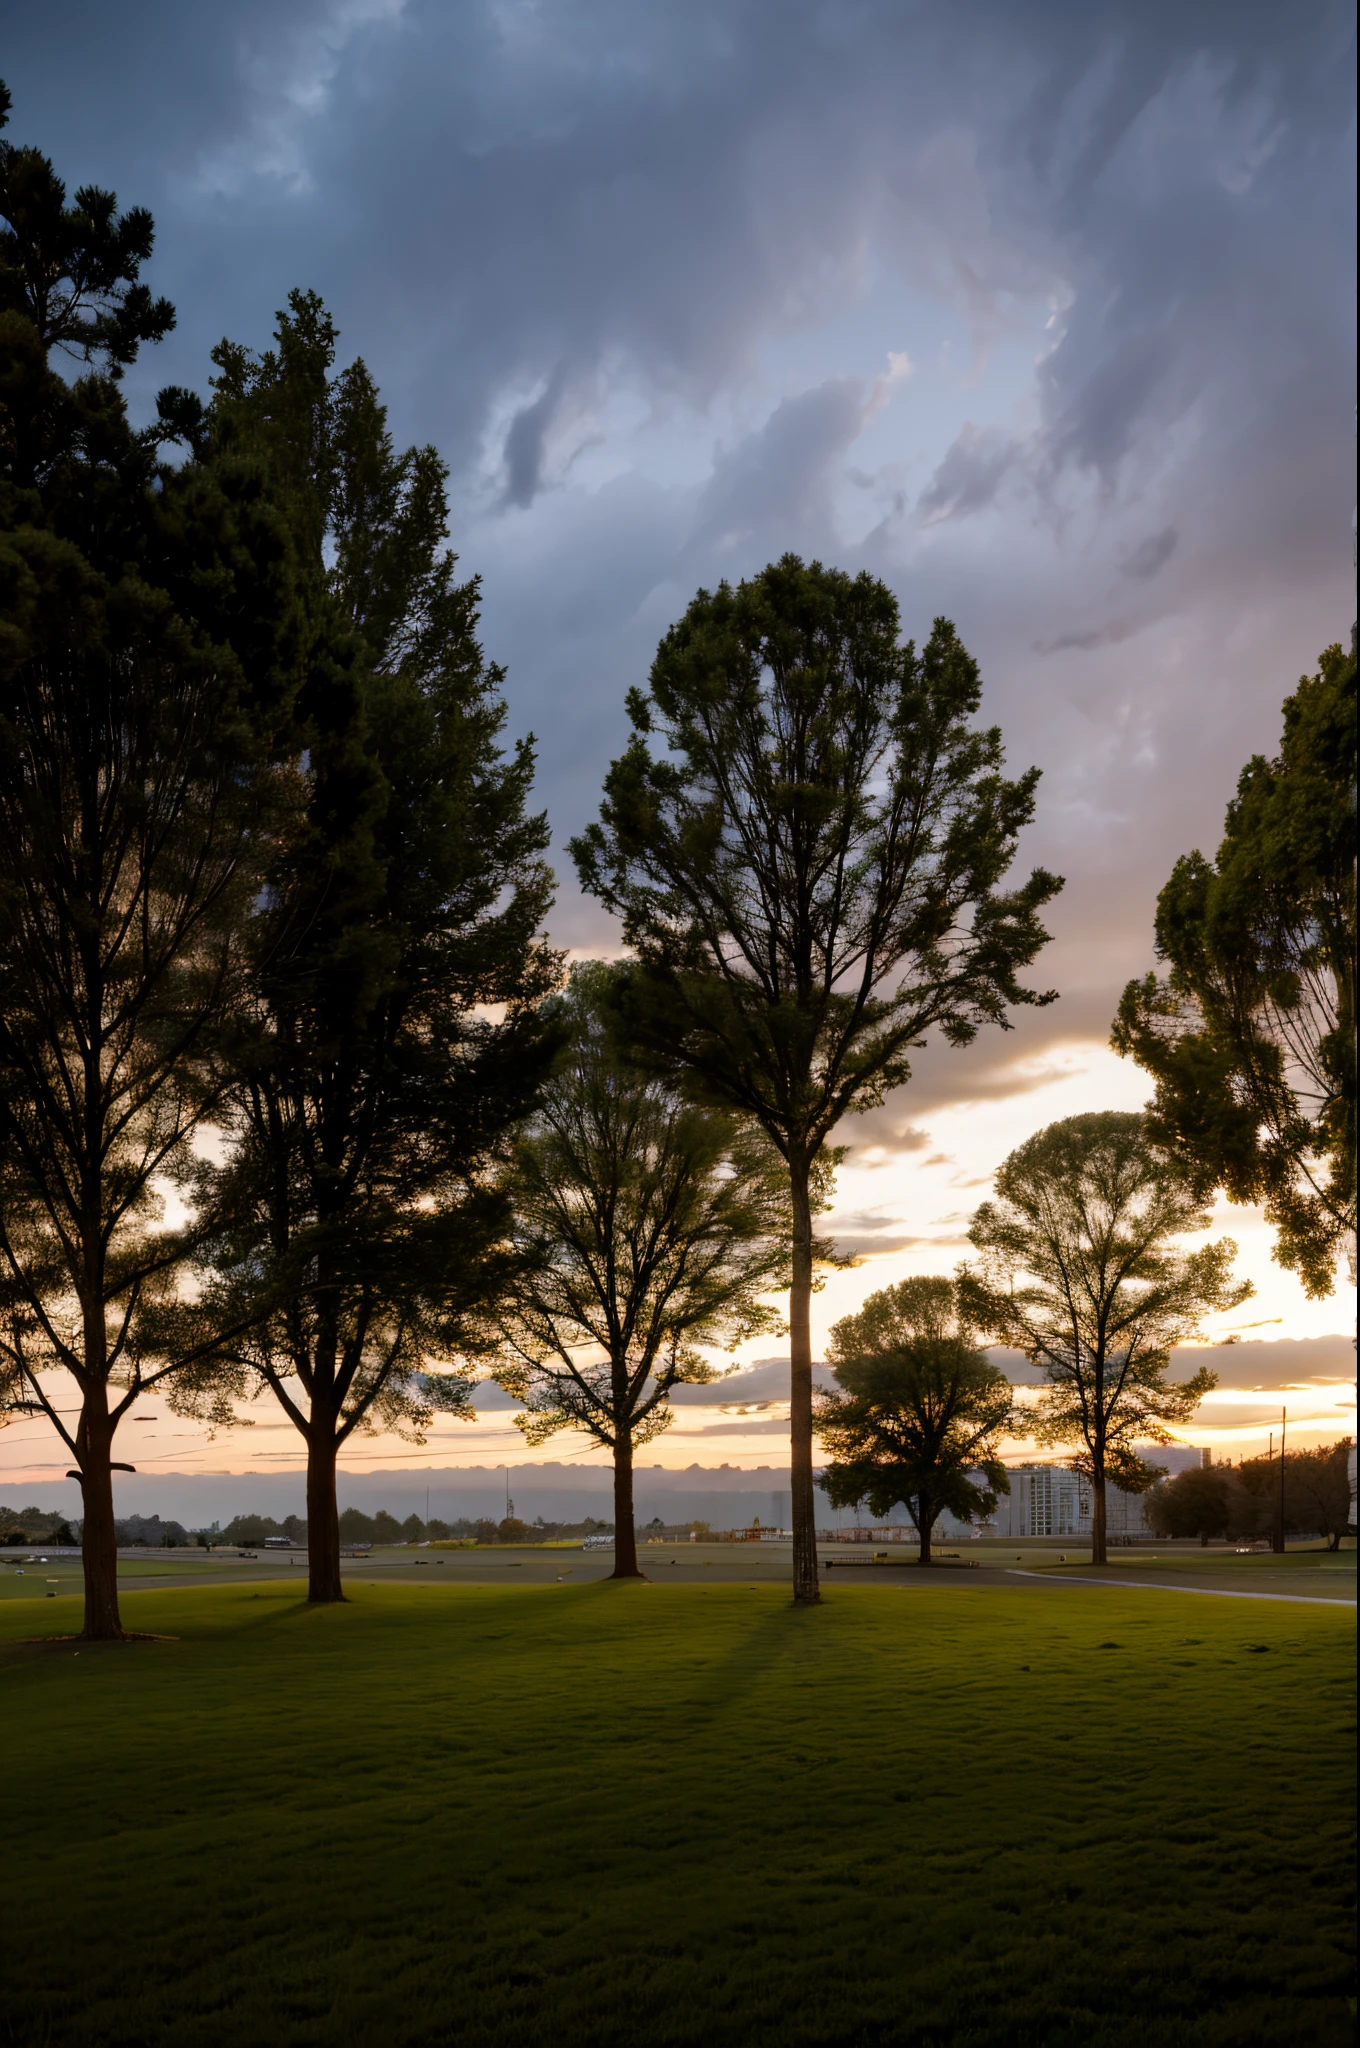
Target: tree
[(149, 627), (649, 1226), (72, 273), (811, 885), (1250, 1034), (1194, 1503), (923, 1409), (391, 1035), (1317, 1492), (1077, 1271)]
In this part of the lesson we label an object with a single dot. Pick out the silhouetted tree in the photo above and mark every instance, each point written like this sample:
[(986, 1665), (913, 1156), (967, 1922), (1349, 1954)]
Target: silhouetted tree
[(148, 629), (812, 880), (1251, 1033), (1077, 1271), (1318, 1490), (649, 1226), (1317, 1493), (922, 1410), (390, 1031), (72, 273), (1194, 1503)]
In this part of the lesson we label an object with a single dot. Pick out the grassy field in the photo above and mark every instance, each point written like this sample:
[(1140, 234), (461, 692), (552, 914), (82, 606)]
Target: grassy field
[(680, 1813), (1305, 1569)]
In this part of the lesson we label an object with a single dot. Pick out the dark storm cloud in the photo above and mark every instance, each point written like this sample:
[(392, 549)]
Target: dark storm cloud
[(783, 475), (971, 474), (517, 211), (524, 444), (1151, 554), (491, 188), (1092, 637)]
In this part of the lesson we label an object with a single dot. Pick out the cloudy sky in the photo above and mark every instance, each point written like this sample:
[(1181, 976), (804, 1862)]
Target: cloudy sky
[(1043, 313)]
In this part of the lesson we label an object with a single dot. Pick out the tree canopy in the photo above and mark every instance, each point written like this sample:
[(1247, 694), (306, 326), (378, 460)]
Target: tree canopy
[(806, 839), (1195, 1503), (1250, 1033), (73, 273), (650, 1228), (1079, 1269), (390, 1031), (922, 1410), (147, 660)]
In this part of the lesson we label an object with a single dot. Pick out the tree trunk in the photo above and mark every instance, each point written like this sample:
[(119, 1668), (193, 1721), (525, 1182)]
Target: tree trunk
[(625, 1535), (98, 1541), (1098, 1555), (805, 1587), (925, 1525), (323, 1514)]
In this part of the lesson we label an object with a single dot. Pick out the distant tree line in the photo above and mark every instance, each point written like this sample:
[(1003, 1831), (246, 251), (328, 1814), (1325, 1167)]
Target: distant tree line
[(1243, 1501), (24, 1525)]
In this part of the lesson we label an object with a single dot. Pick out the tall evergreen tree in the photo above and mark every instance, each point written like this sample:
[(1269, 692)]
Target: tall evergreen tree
[(397, 964), (1250, 1033), (812, 881), (149, 627), (650, 1228)]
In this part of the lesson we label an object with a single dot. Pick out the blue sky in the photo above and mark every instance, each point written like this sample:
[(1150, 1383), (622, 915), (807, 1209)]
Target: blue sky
[(1042, 313)]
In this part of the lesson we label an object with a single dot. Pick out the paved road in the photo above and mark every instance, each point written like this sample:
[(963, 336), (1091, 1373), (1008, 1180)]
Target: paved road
[(1314, 1590)]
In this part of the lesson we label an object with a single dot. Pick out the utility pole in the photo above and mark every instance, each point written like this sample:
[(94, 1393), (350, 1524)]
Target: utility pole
[(1277, 1543)]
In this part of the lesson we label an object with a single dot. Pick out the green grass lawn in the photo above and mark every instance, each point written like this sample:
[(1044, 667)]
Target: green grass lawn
[(680, 1814)]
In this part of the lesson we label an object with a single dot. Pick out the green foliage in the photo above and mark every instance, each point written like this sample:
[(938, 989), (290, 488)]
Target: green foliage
[(1077, 1270), (1317, 1492), (249, 1531), (649, 1226), (391, 1036), (150, 628), (18, 1524), (1194, 1503), (809, 872), (922, 1410), (1250, 1034), (806, 840), (73, 271), (149, 1532)]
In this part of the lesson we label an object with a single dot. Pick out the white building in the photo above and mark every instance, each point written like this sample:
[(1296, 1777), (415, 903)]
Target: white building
[(1050, 1500), (1046, 1500)]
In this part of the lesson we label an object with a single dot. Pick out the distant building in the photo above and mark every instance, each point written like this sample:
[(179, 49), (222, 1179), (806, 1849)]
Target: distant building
[(1051, 1500)]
